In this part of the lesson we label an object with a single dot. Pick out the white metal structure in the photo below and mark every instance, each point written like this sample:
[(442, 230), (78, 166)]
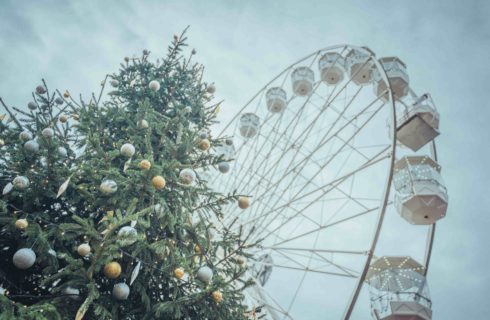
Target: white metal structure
[(319, 179)]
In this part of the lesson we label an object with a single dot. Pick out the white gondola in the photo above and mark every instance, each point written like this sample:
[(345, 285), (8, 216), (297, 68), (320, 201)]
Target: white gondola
[(419, 123), (276, 99), (421, 197), (360, 65), (249, 125), (398, 289), (396, 71), (332, 67), (303, 79)]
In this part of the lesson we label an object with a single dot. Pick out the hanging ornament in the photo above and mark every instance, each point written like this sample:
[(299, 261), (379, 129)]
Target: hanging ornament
[(145, 165), (120, 291), (127, 150), (217, 296), (66, 94), (8, 187), (243, 202), (59, 100), (187, 109), (211, 88), (24, 258), (2, 143), (135, 273), (197, 249), (179, 273), (241, 260), (203, 134), (204, 144), (158, 182), (32, 105), (114, 83), (40, 89), (21, 224), (129, 235), (205, 274), (187, 176), (112, 270), (62, 152), (63, 187), (21, 182), (84, 249), (63, 118), (108, 187), (223, 167), (32, 146), (229, 141), (47, 133), (154, 85), (73, 293), (143, 124), (25, 136)]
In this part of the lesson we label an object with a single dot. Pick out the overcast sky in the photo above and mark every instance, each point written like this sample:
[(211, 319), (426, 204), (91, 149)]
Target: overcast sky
[(446, 45)]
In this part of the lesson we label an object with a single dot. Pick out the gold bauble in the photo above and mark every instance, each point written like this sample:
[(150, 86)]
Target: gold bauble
[(66, 94), (197, 249), (21, 224), (179, 273), (63, 118), (217, 296), (112, 270), (243, 202), (158, 182), (204, 144), (145, 164)]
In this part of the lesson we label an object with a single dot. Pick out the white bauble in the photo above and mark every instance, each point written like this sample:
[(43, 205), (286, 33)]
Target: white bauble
[(187, 176), (120, 291), (24, 258), (62, 151), (129, 234), (223, 167), (108, 187), (127, 150), (188, 109), (205, 274), (25, 136), (154, 85), (115, 83), (32, 105), (21, 182), (32, 146), (73, 293), (211, 89), (143, 124), (84, 249), (47, 133)]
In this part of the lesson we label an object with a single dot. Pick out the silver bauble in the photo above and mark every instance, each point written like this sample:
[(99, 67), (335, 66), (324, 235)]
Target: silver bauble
[(25, 136), (211, 89), (115, 83), (20, 182), (47, 133), (205, 274), (223, 167), (24, 258), (154, 85), (108, 187), (143, 124), (62, 152), (203, 134), (229, 141), (129, 234), (120, 291), (127, 150), (73, 293), (40, 89), (32, 146), (187, 176), (188, 109), (59, 100), (32, 105)]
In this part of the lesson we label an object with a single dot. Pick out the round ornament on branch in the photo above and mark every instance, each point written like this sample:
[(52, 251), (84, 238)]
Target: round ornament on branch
[(32, 146), (62, 152), (21, 224), (73, 293), (217, 296), (129, 235), (48, 133), (205, 274), (112, 270), (114, 83), (145, 165), (84, 249), (40, 89), (179, 273), (24, 258), (243, 202), (154, 85), (32, 105), (211, 88), (143, 124), (204, 144), (158, 182), (25, 136), (188, 109), (127, 150), (223, 167), (187, 176), (108, 187), (203, 134), (63, 118), (121, 291), (59, 100), (21, 182)]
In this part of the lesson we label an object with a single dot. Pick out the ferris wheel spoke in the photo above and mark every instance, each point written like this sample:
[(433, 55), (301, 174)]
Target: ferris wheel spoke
[(277, 248), (275, 265)]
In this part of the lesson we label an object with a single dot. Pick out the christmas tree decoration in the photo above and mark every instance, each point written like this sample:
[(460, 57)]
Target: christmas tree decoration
[(32, 146), (144, 165), (66, 94), (127, 150), (211, 88), (47, 133), (21, 182), (179, 273), (197, 249), (59, 100), (121, 291), (188, 109), (25, 136), (8, 187), (129, 234), (143, 124), (223, 167), (112, 270), (24, 258), (229, 142), (114, 83), (2, 142), (32, 105), (73, 293), (241, 260), (205, 274), (203, 134), (217, 296), (204, 144), (62, 152), (187, 176), (63, 187), (21, 224), (63, 118), (158, 182), (108, 187), (154, 85), (40, 89), (84, 249), (135, 273), (243, 202)]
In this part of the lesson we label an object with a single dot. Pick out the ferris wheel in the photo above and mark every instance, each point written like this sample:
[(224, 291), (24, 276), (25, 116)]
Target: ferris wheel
[(329, 151)]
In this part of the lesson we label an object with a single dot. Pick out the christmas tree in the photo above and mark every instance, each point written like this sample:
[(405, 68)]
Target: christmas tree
[(106, 212)]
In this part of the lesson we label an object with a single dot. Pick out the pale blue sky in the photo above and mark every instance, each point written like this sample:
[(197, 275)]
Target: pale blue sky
[(446, 44)]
